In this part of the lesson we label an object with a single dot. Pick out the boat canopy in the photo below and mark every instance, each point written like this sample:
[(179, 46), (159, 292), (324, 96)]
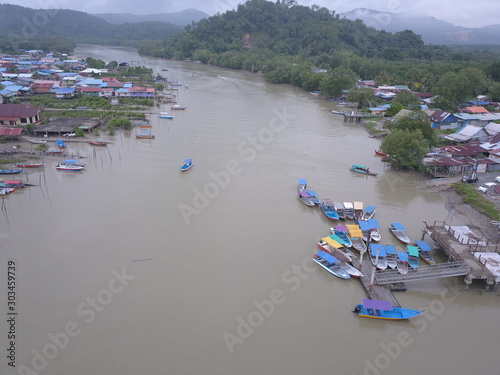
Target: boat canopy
[(358, 206), (403, 256), (365, 225), (424, 246), (348, 205), (373, 223), (304, 194), (337, 239), (312, 193), (398, 226), (370, 209), (188, 161), (340, 256), (331, 242), (377, 304), (378, 247), (328, 203), (302, 181), (338, 205), (341, 228), (359, 166), (390, 249), (354, 230), (413, 251), (70, 161), (328, 257)]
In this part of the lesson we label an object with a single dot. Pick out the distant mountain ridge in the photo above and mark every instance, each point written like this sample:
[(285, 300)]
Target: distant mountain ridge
[(182, 18), (432, 30)]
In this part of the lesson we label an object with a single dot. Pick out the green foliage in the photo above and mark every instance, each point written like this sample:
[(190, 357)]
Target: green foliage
[(120, 122), (340, 79), (79, 133), (477, 200), (111, 129), (393, 109), (407, 100), (418, 120), (408, 147), (363, 96), (30, 128), (42, 147)]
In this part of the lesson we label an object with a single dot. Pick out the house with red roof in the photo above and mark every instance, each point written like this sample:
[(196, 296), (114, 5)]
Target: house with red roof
[(18, 115), (476, 110)]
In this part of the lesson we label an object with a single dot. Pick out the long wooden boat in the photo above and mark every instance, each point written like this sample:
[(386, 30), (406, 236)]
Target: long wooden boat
[(368, 213), (425, 252), (328, 263), (145, 136), (358, 210), (339, 207), (98, 142), (412, 256), (53, 152), (349, 210), (329, 210), (188, 164), (69, 167), (399, 231), (37, 141), (342, 232), (10, 171), (402, 265), (166, 115), (384, 310), (378, 256), (29, 165), (356, 237), (392, 260), (362, 169)]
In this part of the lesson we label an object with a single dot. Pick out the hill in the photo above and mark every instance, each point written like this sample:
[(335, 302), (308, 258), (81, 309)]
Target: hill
[(182, 18), (431, 29)]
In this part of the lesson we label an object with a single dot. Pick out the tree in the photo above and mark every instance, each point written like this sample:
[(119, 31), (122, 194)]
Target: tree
[(418, 121), (407, 147), (393, 109), (363, 96), (339, 80), (407, 100)]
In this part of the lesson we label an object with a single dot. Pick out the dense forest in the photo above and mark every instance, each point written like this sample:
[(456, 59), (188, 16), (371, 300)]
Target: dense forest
[(287, 42), (60, 30)]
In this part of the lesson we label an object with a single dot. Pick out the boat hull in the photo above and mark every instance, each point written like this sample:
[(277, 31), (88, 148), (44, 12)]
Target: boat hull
[(397, 313), (334, 270)]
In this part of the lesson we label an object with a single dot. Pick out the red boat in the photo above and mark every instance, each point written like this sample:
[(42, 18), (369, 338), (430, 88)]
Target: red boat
[(29, 165), (379, 153), (98, 143)]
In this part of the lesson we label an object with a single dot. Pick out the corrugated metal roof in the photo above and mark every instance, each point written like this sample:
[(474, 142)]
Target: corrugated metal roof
[(18, 110)]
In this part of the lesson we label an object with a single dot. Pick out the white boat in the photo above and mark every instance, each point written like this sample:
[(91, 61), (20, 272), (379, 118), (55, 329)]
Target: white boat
[(369, 212), (400, 232), (349, 210), (37, 141), (402, 263), (392, 261), (370, 229), (329, 263), (166, 115), (378, 256)]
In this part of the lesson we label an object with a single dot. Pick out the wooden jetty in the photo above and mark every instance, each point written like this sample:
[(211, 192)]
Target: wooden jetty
[(464, 250)]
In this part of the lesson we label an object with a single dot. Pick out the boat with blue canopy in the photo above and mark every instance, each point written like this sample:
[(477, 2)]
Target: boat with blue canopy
[(188, 163), (362, 169), (329, 209), (390, 252), (60, 144), (368, 213), (302, 185), (375, 229), (342, 232), (425, 252), (329, 263), (314, 197), (399, 231), (378, 256), (371, 308), (306, 198), (402, 265)]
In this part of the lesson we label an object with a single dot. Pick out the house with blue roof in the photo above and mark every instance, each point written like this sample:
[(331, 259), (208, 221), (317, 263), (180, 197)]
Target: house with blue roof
[(65, 92), (441, 119)]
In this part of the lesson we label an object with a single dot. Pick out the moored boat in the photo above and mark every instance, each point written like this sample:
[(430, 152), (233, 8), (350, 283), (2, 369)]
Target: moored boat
[(362, 169), (392, 260), (333, 243), (379, 153), (98, 142), (29, 165), (60, 144), (329, 210), (69, 167), (375, 230), (399, 231), (356, 237), (10, 171), (177, 107), (305, 198), (343, 233), (302, 185), (37, 141), (188, 163), (339, 207), (402, 264), (384, 310), (378, 256), (368, 213), (425, 252), (144, 135), (166, 115), (412, 256), (314, 197), (328, 263), (349, 210), (358, 210)]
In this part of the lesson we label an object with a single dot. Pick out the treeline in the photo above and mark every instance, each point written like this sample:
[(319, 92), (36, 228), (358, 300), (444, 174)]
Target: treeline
[(287, 42), (20, 26)]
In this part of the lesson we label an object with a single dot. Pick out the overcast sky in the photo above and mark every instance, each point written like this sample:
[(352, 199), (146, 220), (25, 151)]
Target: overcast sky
[(458, 12)]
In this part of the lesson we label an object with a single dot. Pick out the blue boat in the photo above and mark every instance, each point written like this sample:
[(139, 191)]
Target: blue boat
[(425, 252), (314, 197), (10, 171), (188, 163), (166, 115), (329, 209), (369, 212), (412, 256), (302, 186), (378, 256), (328, 262), (399, 231), (60, 144), (370, 229), (371, 308), (362, 169), (341, 231)]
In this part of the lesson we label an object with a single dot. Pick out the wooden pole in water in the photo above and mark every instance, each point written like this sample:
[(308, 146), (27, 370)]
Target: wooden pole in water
[(374, 269)]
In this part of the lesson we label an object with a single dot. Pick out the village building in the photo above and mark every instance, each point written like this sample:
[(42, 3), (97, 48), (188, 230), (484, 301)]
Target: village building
[(18, 115)]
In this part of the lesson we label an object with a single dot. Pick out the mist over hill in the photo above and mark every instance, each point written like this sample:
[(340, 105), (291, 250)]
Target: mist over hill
[(181, 18)]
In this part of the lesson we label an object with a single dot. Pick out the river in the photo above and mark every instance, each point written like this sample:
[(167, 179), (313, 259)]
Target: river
[(133, 267)]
